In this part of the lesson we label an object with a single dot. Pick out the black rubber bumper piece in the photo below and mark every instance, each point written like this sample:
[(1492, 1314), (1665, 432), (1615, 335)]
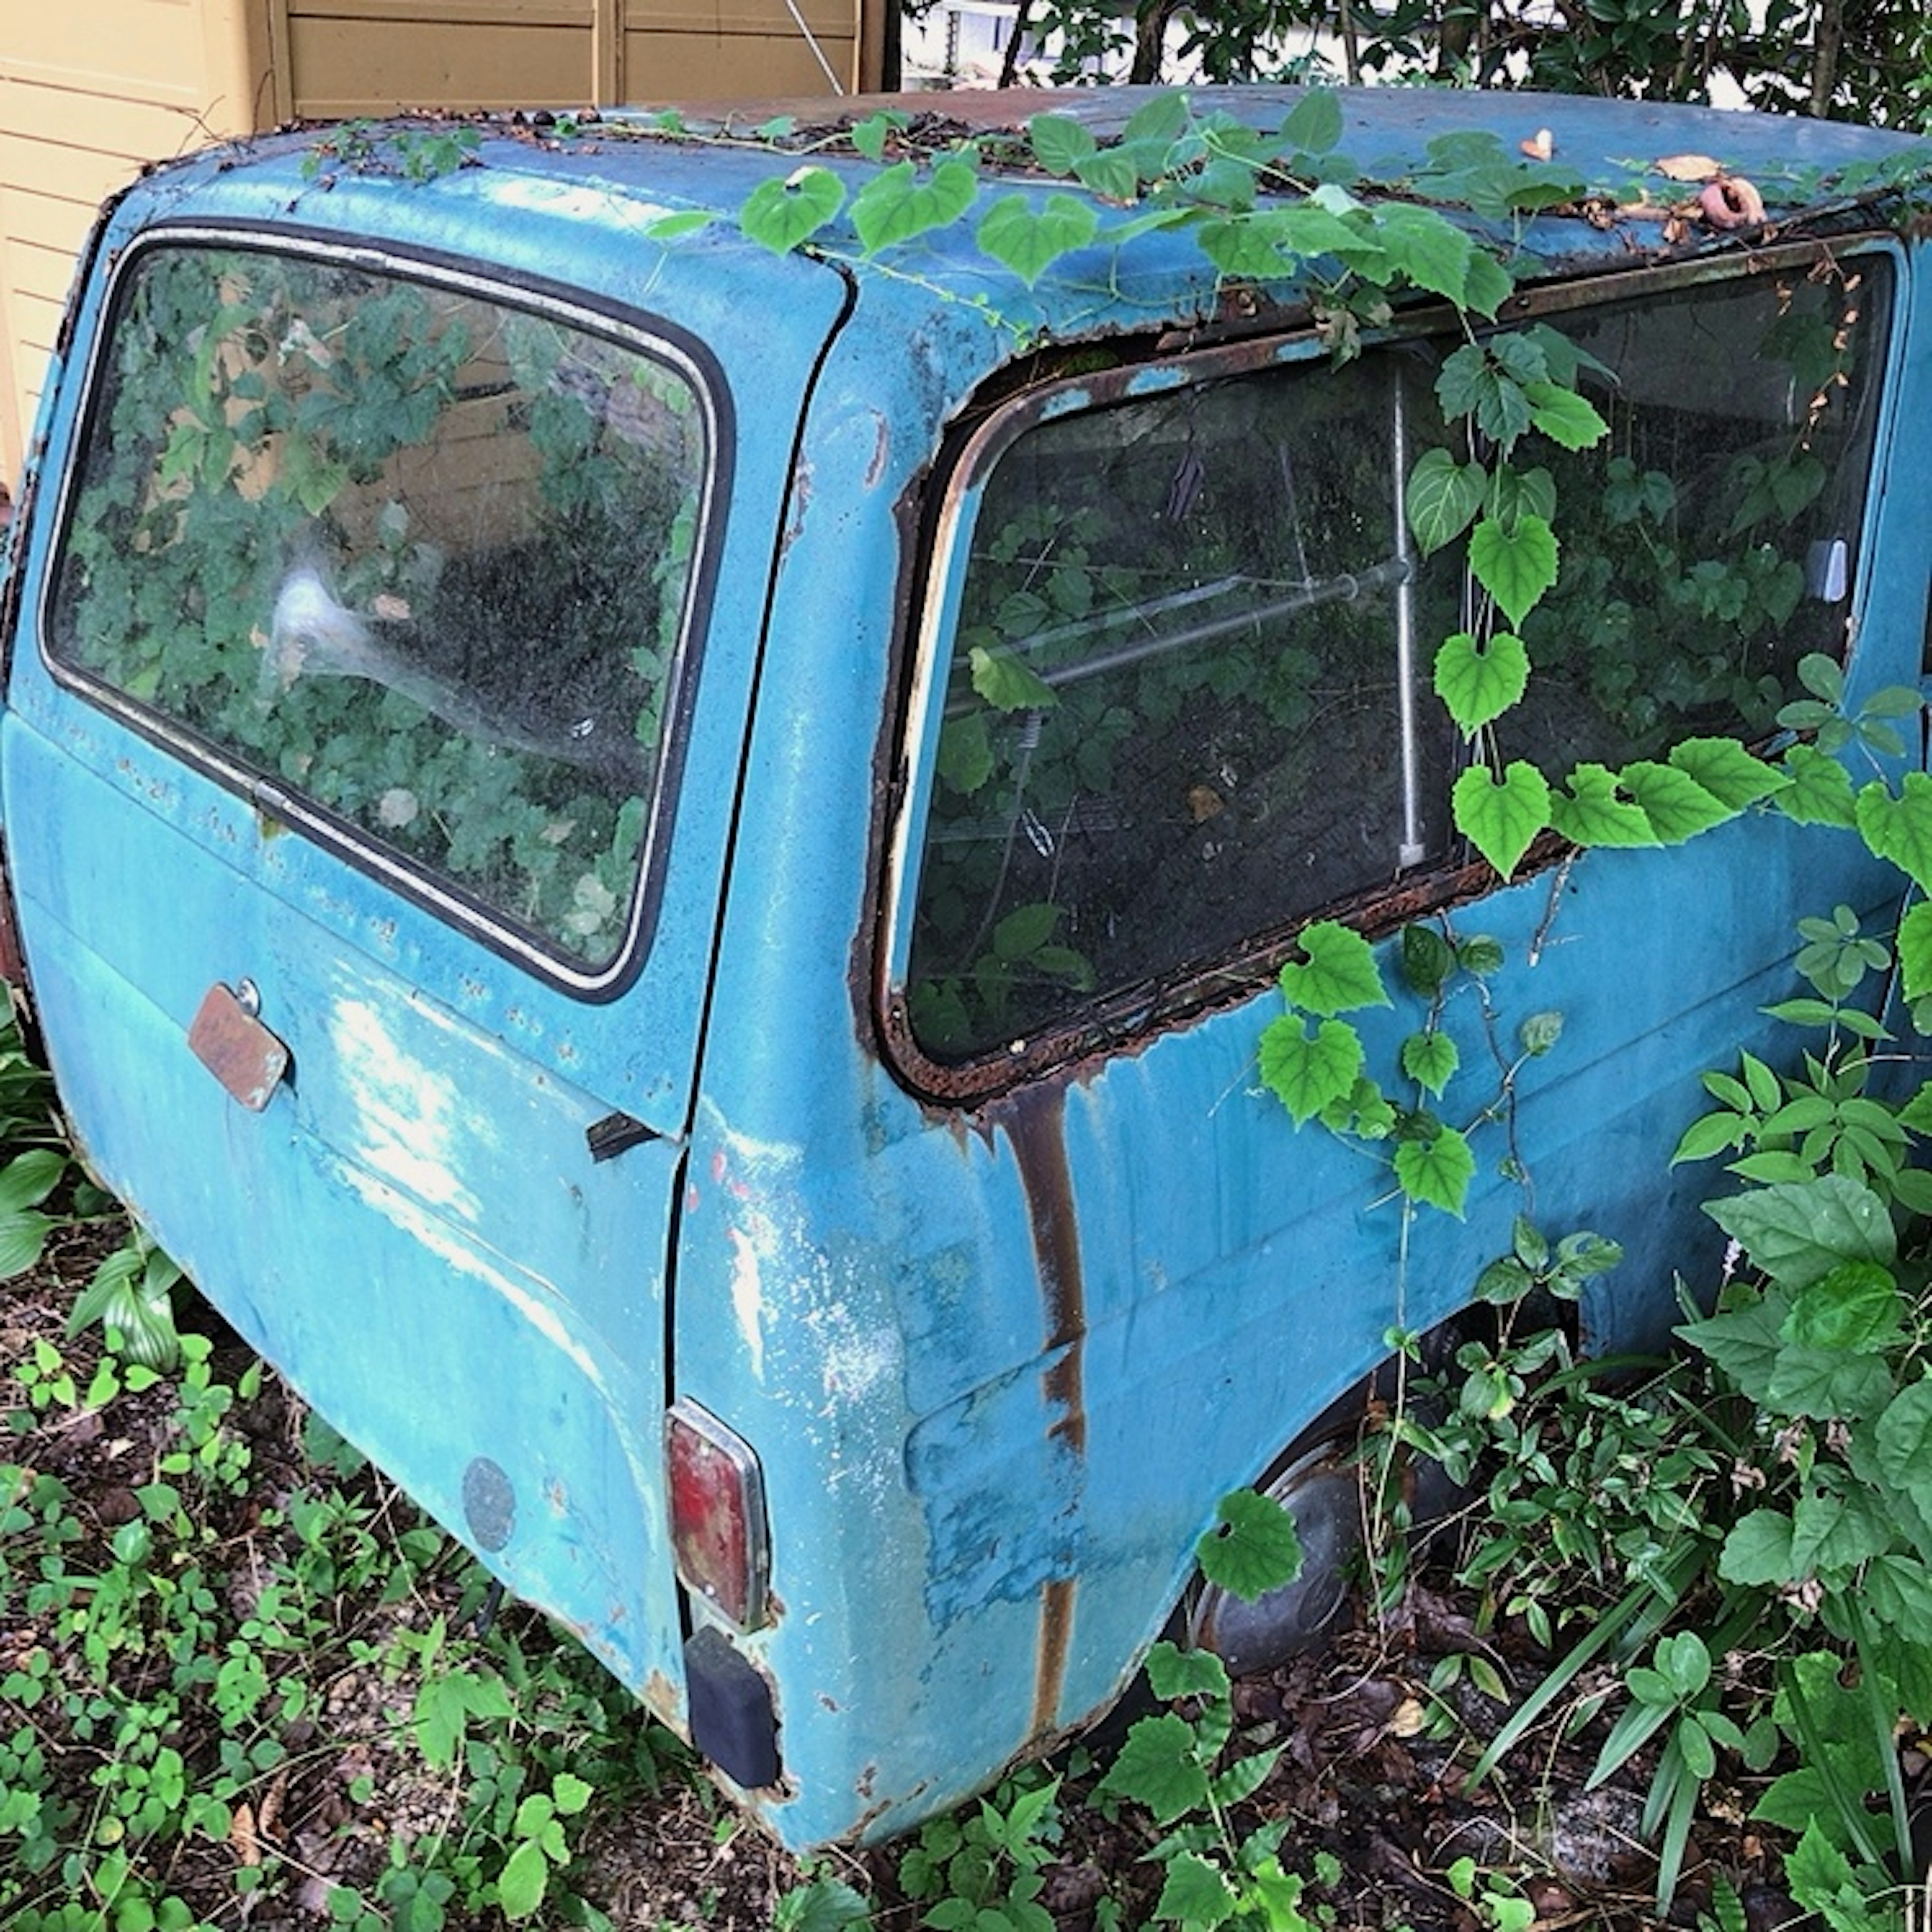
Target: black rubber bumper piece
[(732, 1721)]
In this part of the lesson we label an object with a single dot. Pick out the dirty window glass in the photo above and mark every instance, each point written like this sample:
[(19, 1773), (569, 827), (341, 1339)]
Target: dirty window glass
[(421, 559), (1188, 699)]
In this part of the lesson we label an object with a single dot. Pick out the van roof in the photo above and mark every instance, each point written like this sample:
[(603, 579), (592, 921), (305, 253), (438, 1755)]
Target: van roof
[(1622, 177)]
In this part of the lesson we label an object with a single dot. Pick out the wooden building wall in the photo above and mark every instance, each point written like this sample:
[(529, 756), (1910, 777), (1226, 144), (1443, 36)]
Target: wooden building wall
[(91, 89)]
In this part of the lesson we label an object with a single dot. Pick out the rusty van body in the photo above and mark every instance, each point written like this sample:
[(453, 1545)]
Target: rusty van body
[(526, 894)]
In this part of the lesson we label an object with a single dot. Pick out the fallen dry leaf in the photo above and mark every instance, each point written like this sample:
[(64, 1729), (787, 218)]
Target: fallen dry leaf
[(1731, 201), (1408, 1719), (242, 1836), (1686, 167)]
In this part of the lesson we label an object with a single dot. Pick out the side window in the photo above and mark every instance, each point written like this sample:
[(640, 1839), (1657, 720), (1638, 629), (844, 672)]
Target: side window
[(422, 560), (1187, 696)]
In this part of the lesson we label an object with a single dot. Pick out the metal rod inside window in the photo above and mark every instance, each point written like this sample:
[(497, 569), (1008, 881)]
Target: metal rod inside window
[(1411, 851)]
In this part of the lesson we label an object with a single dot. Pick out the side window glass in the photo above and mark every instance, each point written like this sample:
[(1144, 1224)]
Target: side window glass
[(422, 560), (1709, 542), (1187, 700)]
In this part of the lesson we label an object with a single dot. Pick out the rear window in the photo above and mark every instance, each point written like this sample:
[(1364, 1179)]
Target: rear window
[(1186, 663), (421, 560)]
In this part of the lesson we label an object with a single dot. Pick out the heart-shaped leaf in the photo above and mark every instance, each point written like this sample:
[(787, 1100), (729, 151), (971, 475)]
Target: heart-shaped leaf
[(1478, 680), (1502, 817), (781, 214), (1516, 567)]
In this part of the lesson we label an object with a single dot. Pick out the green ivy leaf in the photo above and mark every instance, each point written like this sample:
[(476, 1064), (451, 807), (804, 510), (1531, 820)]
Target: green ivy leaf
[(1855, 1307), (1157, 1767), (1677, 807), (1592, 813), (1729, 773), (1024, 931), (1437, 1171), (781, 215), (1110, 174), (1314, 125), (1162, 118), (1247, 248), (1915, 950), (898, 205), (1426, 960), (1830, 1531), (1442, 498), (1899, 1591), (870, 135), (1174, 1672), (1254, 1550), (1515, 567), (521, 1889), (1006, 682), (1799, 1232), (1822, 1880), (1430, 1060), (1501, 820), (1745, 1342), (1820, 790), (1758, 1550), (669, 227), (1515, 493), (1900, 829), (1029, 242), (1473, 383), (1570, 421), (1339, 974), (1309, 229), (1904, 1439), (1479, 682), (1487, 286), (1195, 1895), (1426, 248), (1306, 1074), (1059, 143), (965, 753)]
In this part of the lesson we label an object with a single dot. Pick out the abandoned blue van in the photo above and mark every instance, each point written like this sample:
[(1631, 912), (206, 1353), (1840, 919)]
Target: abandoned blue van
[(659, 857)]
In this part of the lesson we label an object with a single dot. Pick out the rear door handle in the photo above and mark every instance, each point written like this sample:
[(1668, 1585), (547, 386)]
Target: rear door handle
[(236, 1048)]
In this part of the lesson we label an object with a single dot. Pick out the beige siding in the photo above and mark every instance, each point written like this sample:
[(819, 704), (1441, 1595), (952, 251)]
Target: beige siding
[(89, 89), (348, 67), (719, 63)]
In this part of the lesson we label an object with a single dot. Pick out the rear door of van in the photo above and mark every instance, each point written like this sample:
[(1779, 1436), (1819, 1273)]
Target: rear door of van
[(374, 718)]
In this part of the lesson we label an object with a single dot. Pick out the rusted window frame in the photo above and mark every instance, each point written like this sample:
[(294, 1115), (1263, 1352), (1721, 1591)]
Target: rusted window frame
[(1125, 1021)]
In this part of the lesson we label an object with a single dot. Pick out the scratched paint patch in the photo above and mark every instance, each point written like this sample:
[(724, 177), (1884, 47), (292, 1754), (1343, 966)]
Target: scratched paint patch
[(412, 1125), (747, 1299), (1001, 1497)]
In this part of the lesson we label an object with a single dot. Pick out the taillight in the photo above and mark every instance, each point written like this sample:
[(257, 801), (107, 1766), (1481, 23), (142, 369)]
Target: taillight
[(718, 1527)]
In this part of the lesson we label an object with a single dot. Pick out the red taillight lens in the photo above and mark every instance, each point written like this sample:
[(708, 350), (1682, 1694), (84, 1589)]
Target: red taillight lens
[(718, 1530)]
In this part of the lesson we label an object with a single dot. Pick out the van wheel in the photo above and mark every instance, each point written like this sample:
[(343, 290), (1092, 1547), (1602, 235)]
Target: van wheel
[(1318, 1481), (1321, 1489)]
